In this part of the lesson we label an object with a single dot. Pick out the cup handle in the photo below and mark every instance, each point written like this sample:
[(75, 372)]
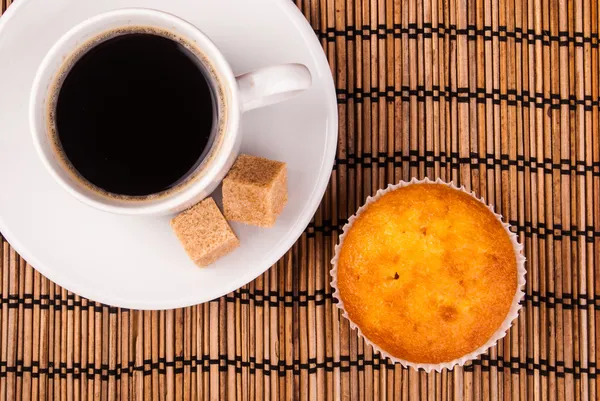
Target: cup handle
[(272, 84)]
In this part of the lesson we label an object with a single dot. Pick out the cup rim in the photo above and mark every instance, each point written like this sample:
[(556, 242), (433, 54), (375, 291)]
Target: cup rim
[(47, 73)]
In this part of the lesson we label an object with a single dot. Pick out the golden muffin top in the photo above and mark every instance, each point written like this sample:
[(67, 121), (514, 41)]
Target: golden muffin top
[(427, 272)]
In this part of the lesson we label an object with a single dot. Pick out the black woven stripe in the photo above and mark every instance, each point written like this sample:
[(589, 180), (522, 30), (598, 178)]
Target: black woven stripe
[(69, 303), (556, 231), (517, 366), (412, 31), (566, 300), (479, 95), (325, 227), (321, 296), (288, 298), (489, 161), (93, 372)]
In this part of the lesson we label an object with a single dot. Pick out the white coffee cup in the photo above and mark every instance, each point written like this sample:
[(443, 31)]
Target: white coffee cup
[(236, 95)]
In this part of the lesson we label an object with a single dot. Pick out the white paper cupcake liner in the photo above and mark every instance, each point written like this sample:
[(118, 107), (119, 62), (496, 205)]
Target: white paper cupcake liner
[(504, 327)]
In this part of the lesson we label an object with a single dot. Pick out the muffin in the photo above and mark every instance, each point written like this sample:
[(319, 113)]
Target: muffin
[(429, 274)]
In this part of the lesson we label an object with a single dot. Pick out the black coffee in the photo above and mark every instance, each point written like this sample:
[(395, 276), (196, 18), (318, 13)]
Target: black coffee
[(135, 113)]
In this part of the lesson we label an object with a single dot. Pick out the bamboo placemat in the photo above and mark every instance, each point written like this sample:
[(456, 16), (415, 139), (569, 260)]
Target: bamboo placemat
[(498, 95)]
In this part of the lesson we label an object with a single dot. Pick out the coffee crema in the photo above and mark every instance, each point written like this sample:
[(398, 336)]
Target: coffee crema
[(135, 114)]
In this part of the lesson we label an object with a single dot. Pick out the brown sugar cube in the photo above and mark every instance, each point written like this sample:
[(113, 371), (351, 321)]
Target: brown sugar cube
[(255, 191), (204, 232)]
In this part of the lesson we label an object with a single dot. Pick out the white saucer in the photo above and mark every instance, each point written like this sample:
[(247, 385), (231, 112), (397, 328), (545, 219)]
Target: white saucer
[(137, 262)]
